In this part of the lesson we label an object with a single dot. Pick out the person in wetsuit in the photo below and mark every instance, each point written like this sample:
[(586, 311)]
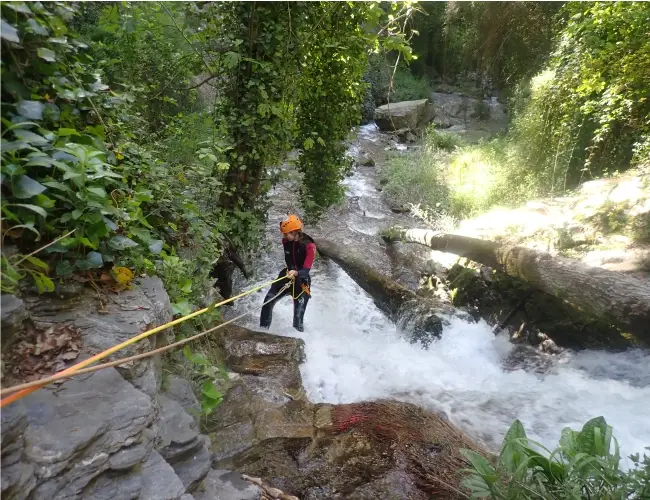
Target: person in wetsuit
[(299, 254)]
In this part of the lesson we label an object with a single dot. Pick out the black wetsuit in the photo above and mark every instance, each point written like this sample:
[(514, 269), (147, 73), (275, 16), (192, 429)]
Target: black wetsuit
[(299, 256)]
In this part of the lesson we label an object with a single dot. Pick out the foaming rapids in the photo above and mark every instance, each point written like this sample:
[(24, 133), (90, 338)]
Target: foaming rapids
[(355, 353)]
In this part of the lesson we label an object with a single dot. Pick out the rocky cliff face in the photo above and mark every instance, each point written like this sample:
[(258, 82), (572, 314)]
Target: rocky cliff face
[(110, 434)]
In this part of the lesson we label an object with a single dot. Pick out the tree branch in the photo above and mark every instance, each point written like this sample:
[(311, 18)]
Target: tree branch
[(180, 30), (202, 82)]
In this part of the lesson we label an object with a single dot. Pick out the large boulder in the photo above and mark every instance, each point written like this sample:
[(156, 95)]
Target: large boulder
[(266, 379), (181, 444), (72, 434), (106, 320), (411, 115), (99, 435), (384, 449), (452, 109)]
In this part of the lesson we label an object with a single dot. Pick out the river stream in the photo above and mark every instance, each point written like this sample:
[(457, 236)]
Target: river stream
[(481, 381)]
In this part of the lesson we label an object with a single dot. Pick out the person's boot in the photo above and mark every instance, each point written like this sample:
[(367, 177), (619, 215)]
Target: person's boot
[(299, 313), (266, 316)]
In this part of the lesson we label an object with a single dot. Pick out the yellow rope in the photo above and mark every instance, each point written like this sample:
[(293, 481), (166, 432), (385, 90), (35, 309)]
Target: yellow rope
[(121, 361), (18, 395)]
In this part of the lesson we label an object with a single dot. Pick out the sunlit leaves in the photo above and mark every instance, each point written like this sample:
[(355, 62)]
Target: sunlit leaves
[(9, 32), (46, 54), (32, 110)]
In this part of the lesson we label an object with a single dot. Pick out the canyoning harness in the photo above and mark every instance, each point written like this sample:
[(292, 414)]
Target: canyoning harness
[(304, 287), (295, 254)]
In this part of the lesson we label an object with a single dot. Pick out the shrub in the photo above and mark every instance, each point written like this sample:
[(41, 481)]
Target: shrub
[(415, 179), (462, 182), (586, 114), (586, 464), (437, 139), (481, 111), (407, 87)]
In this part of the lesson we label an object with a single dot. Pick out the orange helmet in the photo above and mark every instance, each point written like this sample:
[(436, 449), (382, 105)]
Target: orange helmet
[(291, 223)]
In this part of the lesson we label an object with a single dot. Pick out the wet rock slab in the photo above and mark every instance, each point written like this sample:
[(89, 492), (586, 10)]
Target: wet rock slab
[(99, 435), (74, 433), (121, 317), (411, 115), (226, 485), (365, 451)]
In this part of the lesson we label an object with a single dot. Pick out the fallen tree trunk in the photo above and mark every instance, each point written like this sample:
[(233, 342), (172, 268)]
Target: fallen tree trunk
[(622, 300), (418, 314), (387, 294)]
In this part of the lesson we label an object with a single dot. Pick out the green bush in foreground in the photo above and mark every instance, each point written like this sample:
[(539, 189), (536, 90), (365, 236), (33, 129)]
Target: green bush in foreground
[(582, 466)]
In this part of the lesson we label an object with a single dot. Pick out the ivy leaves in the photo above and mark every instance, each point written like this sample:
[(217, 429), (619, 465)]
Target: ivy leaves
[(333, 60), (57, 171)]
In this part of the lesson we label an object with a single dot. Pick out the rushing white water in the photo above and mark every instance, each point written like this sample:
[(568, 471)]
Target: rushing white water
[(355, 353), (480, 381)]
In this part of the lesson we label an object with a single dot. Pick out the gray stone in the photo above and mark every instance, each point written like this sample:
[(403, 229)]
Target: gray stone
[(180, 390), (126, 458), (193, 468), (229, 441), (412, 115), (114, 486), (18, 480), (178, 430), (127, 314), (12, 314), (154, 289), (159, 481), (227, 485), (252, 352), (73, 431), (365, 160), (14, 423)]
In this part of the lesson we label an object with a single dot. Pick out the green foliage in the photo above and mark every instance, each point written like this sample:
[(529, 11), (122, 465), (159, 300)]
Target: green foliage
[(400, 86), (586, 464), (407, 87), (208, 374), (500, 41), (254, 112), (377, 76), (439, 139), (481, 111), (448, 177), (330, 89), (61, 168), (332, 70), (103, 135), (77, 154), (586, 116)]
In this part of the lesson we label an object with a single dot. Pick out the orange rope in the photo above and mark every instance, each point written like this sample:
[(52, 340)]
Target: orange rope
[(21, 394)]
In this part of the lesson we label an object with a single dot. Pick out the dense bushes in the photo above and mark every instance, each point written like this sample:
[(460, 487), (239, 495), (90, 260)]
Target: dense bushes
[(397, 84), (88, 152), (449, 177), (586, 464), (588, 114)]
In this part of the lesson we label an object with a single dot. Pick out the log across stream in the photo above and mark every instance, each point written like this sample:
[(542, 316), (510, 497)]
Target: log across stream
[(482, 382)]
